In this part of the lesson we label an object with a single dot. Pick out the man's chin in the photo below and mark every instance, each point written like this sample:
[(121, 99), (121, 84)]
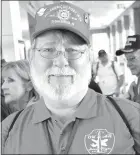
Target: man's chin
[(58, 97), (59, 92), (62, 92)]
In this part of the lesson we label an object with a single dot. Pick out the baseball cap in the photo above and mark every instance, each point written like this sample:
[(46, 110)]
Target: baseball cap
[(101, 53), (65, 16), (132, 44)]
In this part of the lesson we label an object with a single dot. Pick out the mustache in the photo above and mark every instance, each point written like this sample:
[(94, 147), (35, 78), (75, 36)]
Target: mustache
[(61, 71)]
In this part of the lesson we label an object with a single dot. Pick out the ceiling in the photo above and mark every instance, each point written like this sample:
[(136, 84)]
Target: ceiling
[(102, 13)]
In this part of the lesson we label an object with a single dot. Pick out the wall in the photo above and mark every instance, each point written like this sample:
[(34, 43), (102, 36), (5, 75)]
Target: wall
[(7, 36), (15, 31)]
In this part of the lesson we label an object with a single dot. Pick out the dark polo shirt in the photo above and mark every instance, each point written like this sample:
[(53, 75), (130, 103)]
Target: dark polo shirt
[(100, 129)]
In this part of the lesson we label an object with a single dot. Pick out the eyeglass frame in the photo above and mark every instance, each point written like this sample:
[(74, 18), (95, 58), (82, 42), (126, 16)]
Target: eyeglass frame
[(58, 53)]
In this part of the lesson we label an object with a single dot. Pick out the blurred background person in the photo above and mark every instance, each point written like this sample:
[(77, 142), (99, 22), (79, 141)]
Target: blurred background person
[(132, 54), (93, 85), (17, 86), (108, 75), (6, 109)]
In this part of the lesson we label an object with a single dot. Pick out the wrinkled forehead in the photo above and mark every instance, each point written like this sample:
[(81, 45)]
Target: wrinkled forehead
[(59, 36)]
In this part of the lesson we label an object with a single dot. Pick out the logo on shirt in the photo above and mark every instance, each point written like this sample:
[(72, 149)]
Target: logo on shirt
[(99, 141)]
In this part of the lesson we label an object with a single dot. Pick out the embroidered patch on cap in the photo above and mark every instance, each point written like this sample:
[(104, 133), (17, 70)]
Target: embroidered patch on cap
[(86, 18), (41, 11), (62, 14)]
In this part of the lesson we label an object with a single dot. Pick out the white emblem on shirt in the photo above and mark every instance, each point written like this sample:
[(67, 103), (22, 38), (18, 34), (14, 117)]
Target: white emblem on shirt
[(99, 141)]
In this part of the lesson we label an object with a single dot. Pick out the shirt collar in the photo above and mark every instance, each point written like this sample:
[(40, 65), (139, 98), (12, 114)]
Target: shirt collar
[(41, 112), (87, 109)]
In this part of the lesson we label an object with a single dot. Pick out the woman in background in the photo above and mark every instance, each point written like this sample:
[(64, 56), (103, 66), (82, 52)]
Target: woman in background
[(6, 109), (17, 86)]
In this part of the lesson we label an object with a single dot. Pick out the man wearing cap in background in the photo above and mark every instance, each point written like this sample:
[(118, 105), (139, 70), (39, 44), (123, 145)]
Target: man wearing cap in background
[(70, 118), (108, 75), (132, 54)]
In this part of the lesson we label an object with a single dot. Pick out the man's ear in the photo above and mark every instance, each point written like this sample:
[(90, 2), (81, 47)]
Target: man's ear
[(30, 52), (30, 55)]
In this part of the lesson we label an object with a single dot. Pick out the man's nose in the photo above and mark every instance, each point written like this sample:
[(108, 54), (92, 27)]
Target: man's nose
[(60, 60)]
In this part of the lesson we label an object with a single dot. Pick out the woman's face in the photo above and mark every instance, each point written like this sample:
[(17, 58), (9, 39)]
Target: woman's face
[(13, 86)]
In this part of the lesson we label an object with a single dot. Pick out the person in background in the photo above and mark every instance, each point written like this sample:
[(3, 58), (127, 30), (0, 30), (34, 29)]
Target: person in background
[(6, 110), (69, 118), (108, 75), (17, 86), (132, 54)]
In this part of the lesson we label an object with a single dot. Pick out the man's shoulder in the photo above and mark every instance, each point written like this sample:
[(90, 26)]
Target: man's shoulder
[(125, 104), (24, 113), (129, 108), (122, 102)]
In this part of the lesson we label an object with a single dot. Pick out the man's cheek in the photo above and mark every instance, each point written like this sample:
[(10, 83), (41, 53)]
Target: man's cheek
[(41, 66)]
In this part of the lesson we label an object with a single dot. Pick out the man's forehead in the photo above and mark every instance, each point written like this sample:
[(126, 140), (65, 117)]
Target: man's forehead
[(47, 34), (48, 38), (135, 53)]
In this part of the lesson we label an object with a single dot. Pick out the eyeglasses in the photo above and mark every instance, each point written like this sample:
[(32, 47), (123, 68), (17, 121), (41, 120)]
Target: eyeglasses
[(132, 59), (51, 53)]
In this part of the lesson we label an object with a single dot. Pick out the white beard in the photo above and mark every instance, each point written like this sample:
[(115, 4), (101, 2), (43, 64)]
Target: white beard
[(61, 92)]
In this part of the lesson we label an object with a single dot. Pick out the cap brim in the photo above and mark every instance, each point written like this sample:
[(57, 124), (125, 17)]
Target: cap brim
[(35, 34), (119, 52), (122, 51)]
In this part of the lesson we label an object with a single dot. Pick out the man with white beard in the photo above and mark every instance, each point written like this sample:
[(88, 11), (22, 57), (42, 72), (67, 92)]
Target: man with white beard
[(132, 55), (70, 118)]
